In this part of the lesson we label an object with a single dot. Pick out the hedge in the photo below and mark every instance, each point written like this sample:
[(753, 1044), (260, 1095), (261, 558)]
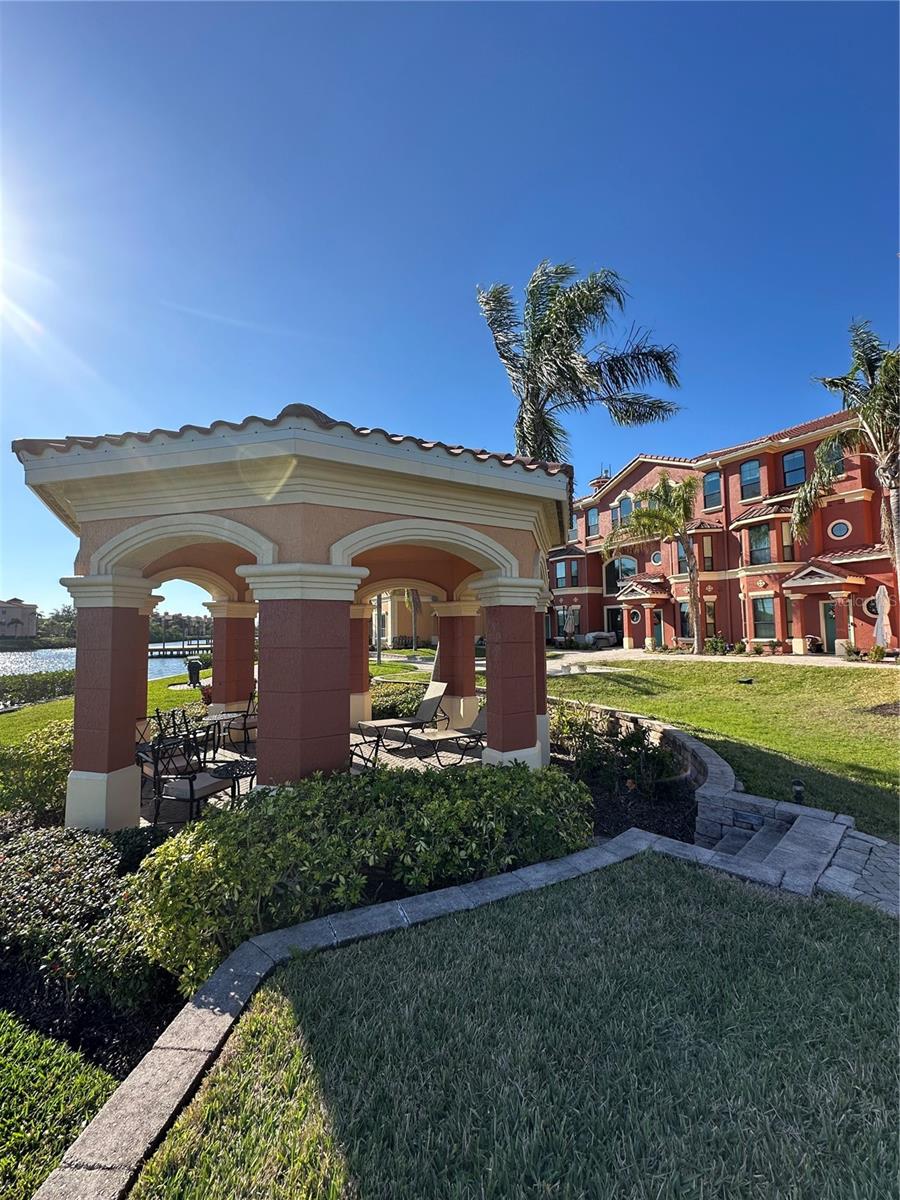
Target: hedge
[(296, 851), (63, 909), (42, 685), (33, 774)]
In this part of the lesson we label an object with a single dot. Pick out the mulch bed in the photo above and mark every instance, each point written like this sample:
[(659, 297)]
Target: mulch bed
[(891, 709), (671, 811), (107, 1037)]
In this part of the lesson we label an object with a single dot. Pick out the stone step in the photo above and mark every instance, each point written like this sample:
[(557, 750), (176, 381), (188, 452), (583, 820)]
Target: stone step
[(733, 841), (804, 852), (760, 845)]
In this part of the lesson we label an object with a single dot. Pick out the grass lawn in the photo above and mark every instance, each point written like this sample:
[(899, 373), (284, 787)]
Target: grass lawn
[(16, 726), (47, 1094), (402, 670), (651, 1031), (806, 723)]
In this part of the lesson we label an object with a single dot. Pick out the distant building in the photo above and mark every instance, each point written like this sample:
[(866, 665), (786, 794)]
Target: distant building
[(17, 619), (757, 582)]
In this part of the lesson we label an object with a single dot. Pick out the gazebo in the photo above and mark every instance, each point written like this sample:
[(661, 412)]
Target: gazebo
[(296, 521)]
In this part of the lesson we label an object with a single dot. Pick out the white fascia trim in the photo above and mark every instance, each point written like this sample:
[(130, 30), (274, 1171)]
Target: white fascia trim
[(146, 610), (303, 581), (108, 591), (492, 589), (231, 608)]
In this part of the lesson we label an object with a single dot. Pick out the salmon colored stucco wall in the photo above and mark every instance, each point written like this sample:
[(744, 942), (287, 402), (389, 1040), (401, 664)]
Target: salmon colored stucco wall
[(306, 532)]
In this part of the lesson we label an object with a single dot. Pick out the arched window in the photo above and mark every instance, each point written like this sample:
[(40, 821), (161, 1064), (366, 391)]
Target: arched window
[(625, 508), (617, 570), (712, 489)]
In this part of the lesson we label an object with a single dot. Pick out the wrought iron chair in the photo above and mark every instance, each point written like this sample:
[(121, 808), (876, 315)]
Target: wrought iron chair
[(459, 742), (178, 768), (374, 732)]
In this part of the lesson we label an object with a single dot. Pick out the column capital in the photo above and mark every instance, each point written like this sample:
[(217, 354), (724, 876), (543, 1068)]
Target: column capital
[(494, 589), (108, 591), (455, 608), (543, 601), (361, 612), (146, 610), (303, 581), (231, 608)]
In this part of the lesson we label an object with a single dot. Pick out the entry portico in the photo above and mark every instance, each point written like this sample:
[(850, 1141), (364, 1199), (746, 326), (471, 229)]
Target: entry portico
[(296, 521)]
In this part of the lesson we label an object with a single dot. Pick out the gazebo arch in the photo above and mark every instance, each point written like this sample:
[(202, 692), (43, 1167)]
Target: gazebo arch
[(134, 547), (373, 587), (479, 549), (217, 587)]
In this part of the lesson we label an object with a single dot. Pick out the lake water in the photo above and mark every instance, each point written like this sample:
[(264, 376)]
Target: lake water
[(28, 662)]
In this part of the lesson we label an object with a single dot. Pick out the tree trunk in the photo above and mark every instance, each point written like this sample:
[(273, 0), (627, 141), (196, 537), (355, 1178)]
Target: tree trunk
[(894, 534), (693, 592)]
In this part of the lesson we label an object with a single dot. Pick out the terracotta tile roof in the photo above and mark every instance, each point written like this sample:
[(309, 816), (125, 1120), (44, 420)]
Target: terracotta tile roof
[(792, 431), (38, 446), (700, 523), (857, 554), (570, 550), (755, 511), (650, 582)]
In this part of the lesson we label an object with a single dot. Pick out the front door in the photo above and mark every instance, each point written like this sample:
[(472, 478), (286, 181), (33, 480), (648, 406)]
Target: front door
[(828, 627), (614, 623), (657, 627)]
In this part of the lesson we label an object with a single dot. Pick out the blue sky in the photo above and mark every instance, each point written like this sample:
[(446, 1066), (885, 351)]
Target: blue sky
[(214, 210)]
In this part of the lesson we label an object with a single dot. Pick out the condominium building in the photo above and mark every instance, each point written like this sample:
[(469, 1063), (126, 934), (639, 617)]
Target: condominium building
[(17, 619), (757, 582)]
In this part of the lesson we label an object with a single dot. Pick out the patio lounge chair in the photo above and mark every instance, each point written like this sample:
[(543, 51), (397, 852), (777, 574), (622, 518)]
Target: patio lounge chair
[(459, 742), (375, 732)]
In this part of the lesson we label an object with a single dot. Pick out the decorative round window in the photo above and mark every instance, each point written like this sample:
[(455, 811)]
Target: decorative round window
[(839, 530), (635, 616), (656, 558), (870, 606)]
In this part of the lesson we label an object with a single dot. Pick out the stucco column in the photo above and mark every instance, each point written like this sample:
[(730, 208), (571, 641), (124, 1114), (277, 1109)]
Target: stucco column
[(140, 707), (648, 625), (540, 677), (797, 632), (627, 639), (304, 667), (842, 624), (509, 605), (103, 788), (234, 647), (455, 664), (360, 695)]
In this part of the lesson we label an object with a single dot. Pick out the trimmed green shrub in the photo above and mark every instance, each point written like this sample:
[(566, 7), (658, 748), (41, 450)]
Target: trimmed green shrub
[(580, 735), (619, 760), (133, 845), (876, 654), (33, 774), (63, 910), (42, 685), (297, 851), (396, 699)]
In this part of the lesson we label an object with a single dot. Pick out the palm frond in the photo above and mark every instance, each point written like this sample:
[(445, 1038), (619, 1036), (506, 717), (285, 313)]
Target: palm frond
[(632, 408), (867, 351), (499, 310)]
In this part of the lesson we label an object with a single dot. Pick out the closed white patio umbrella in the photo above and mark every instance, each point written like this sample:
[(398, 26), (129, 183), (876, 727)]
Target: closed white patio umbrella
[(883, 622)]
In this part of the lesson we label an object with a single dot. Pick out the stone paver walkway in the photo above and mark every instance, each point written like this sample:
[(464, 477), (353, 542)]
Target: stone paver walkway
[(600, 658), (866, 869)]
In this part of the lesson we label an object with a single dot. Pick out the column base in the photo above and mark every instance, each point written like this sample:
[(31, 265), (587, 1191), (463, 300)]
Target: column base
[(239, 705), (104, 800), (798, 645), (840, 647), (360, 708), (627, 642), (462, 710), (543, 732), (531, 757)]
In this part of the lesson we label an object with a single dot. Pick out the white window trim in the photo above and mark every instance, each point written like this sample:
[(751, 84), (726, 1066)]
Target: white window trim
[(840, 537)]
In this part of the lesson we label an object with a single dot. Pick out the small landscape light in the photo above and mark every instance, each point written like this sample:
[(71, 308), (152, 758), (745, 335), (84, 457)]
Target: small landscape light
[(798, 788)]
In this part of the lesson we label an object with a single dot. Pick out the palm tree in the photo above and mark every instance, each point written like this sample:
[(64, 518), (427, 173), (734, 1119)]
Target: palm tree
[(870, 392), (551, 370), (665, 512)]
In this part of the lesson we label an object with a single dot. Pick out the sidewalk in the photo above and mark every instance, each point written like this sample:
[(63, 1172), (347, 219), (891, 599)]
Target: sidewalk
[(592, 659)]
